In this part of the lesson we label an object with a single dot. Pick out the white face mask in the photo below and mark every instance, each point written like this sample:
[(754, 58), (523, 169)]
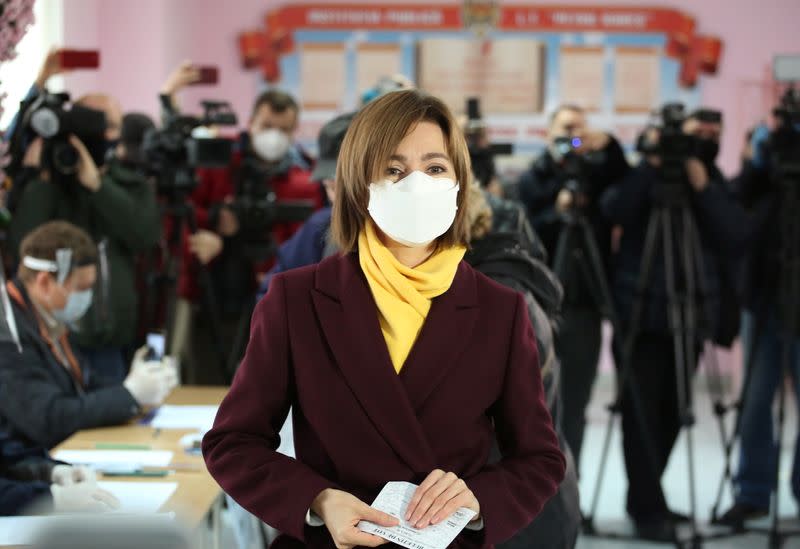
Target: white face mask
[(271, 144), (416, 210)]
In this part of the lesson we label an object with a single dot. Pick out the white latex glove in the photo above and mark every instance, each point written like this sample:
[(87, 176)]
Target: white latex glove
[(150, 382), (64, 475), (82, 497)]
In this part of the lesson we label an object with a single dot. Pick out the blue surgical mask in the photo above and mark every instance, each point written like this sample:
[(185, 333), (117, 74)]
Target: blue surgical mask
[(77, 305)]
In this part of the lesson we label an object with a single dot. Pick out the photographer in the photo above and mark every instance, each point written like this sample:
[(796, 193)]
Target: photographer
[(721, 225), (266, 153), (764, 326), (547, 201), (47, 391), (104, 195)]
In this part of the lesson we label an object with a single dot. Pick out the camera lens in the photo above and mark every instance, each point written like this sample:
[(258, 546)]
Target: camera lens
[(65, 158)]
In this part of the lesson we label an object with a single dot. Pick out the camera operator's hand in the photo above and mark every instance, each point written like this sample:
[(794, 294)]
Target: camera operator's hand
[(206, 245), (698, 176), (88, 173), (33, 154), (595, 141), (563, 201), (181, 77), (228, 224), (50, 67)]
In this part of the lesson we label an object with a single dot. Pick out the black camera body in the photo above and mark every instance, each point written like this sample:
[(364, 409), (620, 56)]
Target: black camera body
[(481, 152), (258, 210), (54, 118), (784, 142), (174, 152), (573, 167), (673, 145)]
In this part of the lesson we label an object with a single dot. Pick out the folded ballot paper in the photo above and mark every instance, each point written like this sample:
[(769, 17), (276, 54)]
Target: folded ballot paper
[(394, 500)]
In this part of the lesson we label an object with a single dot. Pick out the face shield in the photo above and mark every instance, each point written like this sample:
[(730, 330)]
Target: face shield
[(8, 324), (90, 305), (100, 315)]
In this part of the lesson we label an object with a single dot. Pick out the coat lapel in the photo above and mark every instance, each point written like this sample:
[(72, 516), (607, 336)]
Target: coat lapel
[(349, 320), (438, 349)]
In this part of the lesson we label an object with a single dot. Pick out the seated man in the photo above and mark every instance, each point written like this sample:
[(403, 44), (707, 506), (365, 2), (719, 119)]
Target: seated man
[(46, 392)]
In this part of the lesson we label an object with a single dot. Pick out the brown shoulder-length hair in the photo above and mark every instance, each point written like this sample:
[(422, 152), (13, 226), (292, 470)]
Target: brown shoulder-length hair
[(371, 140)]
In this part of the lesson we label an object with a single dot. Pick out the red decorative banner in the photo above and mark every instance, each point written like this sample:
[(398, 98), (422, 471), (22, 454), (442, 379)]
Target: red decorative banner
[(696, 53)]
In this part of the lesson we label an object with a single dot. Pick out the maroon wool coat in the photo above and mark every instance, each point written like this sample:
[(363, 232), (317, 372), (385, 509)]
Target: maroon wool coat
[(316, 346)]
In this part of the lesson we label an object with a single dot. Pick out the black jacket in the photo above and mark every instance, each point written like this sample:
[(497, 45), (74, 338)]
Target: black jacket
[(41, 402), (722, 225), (538, 189), (25, 473), (762, 198)]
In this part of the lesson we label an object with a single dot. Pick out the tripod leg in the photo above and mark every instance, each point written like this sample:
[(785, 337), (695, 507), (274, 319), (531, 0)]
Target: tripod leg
[(595, 277), (211, 308), (560, 260), (714, 371), (690, 357), (624, 383)]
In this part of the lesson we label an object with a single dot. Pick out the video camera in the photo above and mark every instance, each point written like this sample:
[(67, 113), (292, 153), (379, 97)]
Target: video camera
[(53, 117), (673, 146), (258, 210), (481, 152), (784, 142), (174, 152)]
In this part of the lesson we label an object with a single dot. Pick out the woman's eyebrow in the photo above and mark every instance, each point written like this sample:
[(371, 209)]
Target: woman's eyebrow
[(431, 156), (425, 157)]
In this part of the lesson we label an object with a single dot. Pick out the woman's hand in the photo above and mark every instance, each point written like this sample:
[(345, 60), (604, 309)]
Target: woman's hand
[(441, 495), (342, 512)]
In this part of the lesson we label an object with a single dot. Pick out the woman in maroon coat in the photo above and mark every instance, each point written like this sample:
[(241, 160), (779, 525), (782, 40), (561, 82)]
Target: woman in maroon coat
[(399, 361)]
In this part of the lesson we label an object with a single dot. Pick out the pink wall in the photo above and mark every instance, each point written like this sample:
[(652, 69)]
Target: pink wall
[(142, 40)]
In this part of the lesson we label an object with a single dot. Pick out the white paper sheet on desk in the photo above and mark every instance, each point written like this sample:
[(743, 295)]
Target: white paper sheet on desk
[(394, 500), (25, 530), (21, 530), (100, 459), (185, 417), (140, 497)]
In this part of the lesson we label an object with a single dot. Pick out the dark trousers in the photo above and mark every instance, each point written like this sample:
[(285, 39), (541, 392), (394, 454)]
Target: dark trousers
[(650, 430), (203, 365), (578, 342)]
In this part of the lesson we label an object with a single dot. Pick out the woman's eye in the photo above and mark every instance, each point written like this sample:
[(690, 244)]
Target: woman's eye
[(394, 172), (437, 170)]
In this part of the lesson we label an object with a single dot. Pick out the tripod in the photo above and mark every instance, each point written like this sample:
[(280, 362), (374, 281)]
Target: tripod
[(785, 306), (672, 223), (577, 238), (183, 214)]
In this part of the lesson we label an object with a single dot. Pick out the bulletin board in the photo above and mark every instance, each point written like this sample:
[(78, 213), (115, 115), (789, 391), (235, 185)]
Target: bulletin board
[(521, 61)]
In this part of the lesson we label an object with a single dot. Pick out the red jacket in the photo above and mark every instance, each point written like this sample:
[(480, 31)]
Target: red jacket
[(316, 346), (215, 186)]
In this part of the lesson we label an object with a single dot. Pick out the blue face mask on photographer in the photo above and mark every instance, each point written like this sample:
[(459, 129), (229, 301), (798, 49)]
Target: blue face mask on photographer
[(77, 305)]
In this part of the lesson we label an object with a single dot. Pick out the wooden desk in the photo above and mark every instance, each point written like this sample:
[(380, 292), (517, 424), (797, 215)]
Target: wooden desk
[(197, 493)]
